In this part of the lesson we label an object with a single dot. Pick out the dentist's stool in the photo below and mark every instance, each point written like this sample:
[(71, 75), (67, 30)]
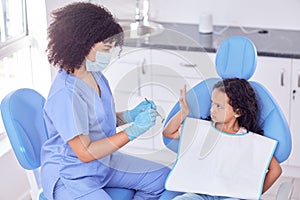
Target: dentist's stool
[(22, 114)]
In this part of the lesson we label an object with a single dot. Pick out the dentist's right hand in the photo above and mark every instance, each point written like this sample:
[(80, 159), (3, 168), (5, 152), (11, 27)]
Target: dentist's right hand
[(130, 115), (143, 122)]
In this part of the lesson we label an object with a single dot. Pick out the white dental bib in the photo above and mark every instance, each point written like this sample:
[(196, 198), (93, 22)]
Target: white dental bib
[(219, 164)]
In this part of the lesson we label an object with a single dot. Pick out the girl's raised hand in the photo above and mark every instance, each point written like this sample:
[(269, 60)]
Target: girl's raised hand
[(184, 107)]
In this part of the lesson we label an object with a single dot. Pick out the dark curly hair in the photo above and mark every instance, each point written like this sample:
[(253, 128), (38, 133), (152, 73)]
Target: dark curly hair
[(75, 28), (243, 100)]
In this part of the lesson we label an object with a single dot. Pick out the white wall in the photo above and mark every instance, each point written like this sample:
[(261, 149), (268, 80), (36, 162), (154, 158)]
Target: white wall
[(250, 13), (37, 26), (14, 183), (51, 5), (54, 4)]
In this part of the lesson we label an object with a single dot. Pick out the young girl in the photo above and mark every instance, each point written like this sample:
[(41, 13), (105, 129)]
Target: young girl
[(234, 110)]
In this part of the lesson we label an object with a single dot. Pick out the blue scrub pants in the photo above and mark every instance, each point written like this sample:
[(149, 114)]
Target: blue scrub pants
[(146, 177)]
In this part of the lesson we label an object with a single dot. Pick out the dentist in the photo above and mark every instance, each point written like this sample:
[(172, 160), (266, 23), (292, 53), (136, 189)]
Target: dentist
[(80, 157)]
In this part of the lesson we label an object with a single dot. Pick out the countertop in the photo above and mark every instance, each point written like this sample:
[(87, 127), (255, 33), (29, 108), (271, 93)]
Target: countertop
[(269, 42)]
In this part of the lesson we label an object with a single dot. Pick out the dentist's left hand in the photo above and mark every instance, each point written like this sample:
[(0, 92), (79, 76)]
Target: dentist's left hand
[(130, 115)]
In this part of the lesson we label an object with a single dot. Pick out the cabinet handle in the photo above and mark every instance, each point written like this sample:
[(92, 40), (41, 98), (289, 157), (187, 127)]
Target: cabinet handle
[(282, 77), (298, 79), (187, 65), (294, 94), (143, 66)]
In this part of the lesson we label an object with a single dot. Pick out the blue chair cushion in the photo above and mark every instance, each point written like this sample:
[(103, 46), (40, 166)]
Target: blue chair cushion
[(114, 193), (273, 122), (19, 110), (236, 57), (42, 197), (120, 193)]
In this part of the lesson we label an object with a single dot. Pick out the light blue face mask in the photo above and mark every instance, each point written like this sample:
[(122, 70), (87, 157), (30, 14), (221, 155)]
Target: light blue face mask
[(101, 62)]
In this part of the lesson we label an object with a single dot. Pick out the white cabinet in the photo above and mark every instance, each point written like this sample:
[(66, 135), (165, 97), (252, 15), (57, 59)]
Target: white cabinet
[(127, 72), (294, 159), (281, 76), (170, 71), (275, 75), (128, 75)]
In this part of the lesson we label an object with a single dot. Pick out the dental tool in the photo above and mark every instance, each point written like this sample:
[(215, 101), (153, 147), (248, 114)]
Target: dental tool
[(157, 113)]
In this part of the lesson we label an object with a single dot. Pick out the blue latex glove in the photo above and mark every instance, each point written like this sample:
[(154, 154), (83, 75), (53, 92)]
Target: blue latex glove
[(130, 115), (143, 122)]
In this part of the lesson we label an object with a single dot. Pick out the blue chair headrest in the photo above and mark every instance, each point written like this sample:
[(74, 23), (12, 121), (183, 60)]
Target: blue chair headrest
[(236, 57), (22, 114)]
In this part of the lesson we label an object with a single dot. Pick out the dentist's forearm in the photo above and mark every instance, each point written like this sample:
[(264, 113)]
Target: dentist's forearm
[(106, 146), (88, 151)]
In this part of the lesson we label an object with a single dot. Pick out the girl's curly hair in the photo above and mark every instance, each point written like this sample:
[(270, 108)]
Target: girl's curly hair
[(75, 28), (243, 100)]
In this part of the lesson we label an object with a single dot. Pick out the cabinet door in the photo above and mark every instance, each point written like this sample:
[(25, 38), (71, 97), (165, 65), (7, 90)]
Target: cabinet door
[(294, 159), (128, 75), (275, 75), (189, 64), (170, 71)]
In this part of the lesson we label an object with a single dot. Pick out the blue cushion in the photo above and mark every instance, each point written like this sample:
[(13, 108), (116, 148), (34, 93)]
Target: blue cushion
[(114, 193), (120, 193), (236, 57), (273, 122), (19, 110), (42, 197)]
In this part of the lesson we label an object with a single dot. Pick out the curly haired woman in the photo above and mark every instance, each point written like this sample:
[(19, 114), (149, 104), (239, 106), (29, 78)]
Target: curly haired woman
[(80, 157)]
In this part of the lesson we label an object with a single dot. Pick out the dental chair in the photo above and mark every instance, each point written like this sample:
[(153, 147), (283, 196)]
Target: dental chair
[(237, 57), (22, 114)]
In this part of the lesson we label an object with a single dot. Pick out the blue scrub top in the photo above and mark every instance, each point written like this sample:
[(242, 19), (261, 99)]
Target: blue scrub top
[(74, 108)]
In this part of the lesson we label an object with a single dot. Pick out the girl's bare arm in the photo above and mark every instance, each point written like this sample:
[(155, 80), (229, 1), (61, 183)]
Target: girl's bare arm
[(273, 173), (171, 130)]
